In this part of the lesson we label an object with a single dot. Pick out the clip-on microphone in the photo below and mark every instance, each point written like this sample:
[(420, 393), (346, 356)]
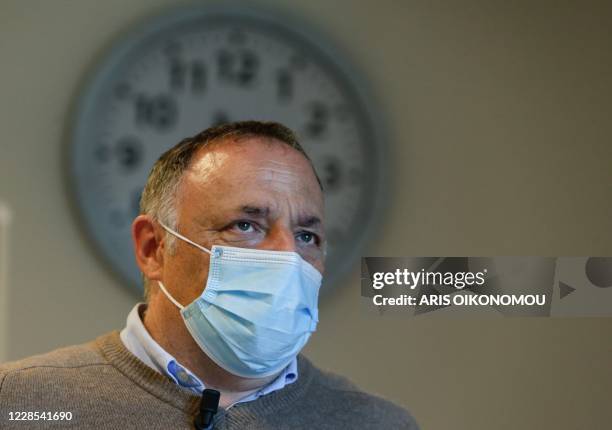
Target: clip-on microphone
[(208, 408)]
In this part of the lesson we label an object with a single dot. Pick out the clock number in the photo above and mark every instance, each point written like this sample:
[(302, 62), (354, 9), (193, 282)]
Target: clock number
[(239, 68), (128, 151), (198, 77), (159, 112), (318, 119), (284, 82), (332, 174), (179, 72)]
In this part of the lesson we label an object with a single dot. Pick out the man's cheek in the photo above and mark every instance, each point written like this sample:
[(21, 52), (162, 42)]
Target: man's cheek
[(191, 278)]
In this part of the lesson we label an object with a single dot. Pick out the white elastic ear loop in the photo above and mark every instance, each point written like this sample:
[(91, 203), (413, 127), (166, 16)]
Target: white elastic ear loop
[(178, 305), (180, 236)]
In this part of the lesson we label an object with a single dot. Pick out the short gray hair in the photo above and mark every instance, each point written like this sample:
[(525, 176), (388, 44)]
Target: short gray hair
[(158, 198)]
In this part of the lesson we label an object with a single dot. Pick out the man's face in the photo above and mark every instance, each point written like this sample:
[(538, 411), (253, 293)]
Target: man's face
[(254, 193)]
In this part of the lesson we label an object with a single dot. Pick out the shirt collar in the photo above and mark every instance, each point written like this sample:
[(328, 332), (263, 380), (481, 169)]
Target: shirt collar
[(139, 342)]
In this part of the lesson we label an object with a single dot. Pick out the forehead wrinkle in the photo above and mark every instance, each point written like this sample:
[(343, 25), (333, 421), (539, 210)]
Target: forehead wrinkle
[(223, 177), (285, 176)]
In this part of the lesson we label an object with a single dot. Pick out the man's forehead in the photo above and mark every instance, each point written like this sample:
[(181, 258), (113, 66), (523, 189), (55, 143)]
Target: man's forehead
[(254, 173), (269, 157)]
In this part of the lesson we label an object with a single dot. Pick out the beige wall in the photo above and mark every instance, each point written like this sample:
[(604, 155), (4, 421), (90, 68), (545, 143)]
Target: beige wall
[(501, 117)]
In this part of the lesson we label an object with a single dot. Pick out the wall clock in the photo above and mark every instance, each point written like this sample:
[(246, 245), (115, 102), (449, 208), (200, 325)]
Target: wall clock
[(193, 67)]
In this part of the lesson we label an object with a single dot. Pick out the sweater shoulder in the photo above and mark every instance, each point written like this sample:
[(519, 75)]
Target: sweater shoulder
[(73, 356), (363, 407)]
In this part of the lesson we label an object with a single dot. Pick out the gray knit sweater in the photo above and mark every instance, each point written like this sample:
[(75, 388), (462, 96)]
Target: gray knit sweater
[(104, 386)]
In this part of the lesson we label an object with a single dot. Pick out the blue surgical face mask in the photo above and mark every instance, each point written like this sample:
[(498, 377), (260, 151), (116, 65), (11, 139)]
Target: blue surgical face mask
[(257, 311)]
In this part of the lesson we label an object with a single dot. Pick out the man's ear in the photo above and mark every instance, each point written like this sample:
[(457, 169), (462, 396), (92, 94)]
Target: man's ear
[(147, 239)]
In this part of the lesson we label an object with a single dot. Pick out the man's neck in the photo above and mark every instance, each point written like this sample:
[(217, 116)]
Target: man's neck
[(165, 325)]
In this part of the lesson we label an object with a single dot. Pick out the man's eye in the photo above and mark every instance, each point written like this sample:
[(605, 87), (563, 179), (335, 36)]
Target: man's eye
[(307, 237), (244, 226)]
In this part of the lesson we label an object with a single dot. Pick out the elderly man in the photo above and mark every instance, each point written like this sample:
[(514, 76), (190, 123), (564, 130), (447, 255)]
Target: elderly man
[(231, 244)]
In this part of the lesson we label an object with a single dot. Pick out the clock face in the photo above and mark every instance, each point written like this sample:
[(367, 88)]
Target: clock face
[(199, 67)]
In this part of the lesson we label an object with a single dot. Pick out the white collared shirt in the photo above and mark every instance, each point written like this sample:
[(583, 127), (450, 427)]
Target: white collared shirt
[(139, 342)]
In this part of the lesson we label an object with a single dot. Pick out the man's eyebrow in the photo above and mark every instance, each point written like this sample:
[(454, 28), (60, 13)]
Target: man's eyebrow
[(264, 211), (309, 221), (256, 211)]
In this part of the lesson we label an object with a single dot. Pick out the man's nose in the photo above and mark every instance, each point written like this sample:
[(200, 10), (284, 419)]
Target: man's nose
[(279, 238)]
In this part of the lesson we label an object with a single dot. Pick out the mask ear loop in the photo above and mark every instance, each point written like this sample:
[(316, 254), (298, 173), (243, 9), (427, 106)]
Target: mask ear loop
[(177, 304), (180, 236)]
